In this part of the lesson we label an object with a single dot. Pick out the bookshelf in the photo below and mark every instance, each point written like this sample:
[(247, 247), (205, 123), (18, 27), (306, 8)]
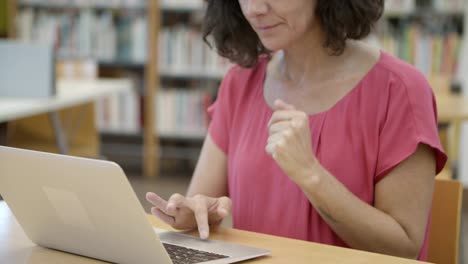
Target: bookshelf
[(148, 65), (176, 66), (164, 5), (427, 34)]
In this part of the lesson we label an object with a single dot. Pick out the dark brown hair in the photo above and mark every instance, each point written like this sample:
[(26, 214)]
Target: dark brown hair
[(226, 27)]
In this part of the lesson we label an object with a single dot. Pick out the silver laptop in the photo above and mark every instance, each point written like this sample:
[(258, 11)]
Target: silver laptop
[(87, 207)]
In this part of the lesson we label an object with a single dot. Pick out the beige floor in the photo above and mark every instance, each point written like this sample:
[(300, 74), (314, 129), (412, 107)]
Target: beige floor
[(167, 185)]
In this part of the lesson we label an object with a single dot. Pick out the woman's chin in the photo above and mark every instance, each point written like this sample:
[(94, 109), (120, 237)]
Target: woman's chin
[(273, 47)]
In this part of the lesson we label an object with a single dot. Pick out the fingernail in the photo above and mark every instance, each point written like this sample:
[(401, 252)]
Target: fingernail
[(204, 235)]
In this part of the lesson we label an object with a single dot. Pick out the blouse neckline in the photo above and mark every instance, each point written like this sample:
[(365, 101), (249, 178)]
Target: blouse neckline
[(355, 89)]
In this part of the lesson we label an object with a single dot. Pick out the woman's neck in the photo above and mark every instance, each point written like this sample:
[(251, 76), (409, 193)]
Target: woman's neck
[(306, 60)]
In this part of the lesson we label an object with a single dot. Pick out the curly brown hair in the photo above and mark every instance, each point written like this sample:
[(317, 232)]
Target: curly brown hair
[(226, 27)]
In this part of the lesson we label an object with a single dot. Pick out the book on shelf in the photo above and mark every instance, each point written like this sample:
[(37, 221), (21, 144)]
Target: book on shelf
[(449, 5), (400, 6), (182, 112), (182, 49), (119, 113), (115, 4), (85, 3), (410, 6), (87, 33), (182, 4), (179, 113), (433, 52), (109, 38)]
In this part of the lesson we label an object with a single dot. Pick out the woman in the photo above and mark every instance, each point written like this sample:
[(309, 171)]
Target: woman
[(315, 135)]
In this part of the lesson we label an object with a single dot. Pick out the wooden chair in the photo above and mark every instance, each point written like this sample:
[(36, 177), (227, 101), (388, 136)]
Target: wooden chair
[(444, 234)]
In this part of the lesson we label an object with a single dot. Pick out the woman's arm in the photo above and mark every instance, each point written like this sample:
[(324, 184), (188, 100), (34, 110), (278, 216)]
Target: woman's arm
[(396, 225), (210, 175), (205, 203)]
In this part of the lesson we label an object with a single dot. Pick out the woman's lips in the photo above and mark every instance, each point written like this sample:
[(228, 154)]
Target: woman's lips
[(267, 28)]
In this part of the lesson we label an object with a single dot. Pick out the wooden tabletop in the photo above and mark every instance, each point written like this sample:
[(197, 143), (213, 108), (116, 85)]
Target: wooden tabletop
[(16, 248)]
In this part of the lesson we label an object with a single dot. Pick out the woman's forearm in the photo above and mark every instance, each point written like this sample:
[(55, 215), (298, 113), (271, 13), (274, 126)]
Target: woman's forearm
[(359, 224)]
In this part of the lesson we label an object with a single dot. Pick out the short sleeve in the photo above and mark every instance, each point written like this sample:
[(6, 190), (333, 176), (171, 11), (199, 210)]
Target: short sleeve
[(410, 119), (220, 114)]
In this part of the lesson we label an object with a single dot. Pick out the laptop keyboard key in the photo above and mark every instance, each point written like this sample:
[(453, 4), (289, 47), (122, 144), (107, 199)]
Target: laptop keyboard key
[(183, 255)]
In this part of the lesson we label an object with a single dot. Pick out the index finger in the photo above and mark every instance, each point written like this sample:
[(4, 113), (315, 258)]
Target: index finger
[(199, 207), (201, 215)]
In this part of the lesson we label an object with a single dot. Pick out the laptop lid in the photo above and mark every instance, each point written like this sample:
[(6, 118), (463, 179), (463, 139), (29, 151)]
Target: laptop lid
[(68, 203)]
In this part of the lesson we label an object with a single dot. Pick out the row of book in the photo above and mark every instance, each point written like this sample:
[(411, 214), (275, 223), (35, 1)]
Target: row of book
[(105, 37), (409, 6), (110, 3), (182, 49), (182, 112), (86, 33), (179, 112), (119, 113), (433, 53), (449, 5), (400, 6)]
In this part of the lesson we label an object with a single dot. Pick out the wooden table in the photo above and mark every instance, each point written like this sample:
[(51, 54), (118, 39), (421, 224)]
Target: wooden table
[(16, 248)]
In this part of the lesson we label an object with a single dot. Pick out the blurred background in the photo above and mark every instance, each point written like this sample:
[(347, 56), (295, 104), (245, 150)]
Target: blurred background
[(132, 80)]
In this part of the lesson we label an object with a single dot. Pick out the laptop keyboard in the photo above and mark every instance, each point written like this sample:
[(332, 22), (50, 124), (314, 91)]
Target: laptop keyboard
[(183, 255)]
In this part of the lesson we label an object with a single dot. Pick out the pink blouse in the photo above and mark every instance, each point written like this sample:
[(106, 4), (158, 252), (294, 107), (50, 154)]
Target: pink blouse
[(359, 140)]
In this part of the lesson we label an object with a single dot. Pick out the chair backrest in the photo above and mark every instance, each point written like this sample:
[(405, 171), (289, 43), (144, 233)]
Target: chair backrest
[(445, 222)]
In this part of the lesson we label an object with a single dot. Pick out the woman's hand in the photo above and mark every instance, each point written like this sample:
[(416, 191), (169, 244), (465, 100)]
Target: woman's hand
[(289, 142), (189, 212)]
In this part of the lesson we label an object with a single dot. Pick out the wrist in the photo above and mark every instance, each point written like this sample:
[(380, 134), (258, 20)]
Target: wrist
[(312, 177)]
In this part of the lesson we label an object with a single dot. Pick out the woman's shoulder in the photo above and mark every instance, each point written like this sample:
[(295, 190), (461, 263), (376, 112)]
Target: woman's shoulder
[(240, 74), (401, 73), (239, 80)]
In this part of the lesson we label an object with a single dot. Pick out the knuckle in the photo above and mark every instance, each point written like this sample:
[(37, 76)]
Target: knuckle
[(176, 196), (227, 200), (279, 146), (197, 197), (267, 148), (270, 139), (297, 128), (271, 130), (273, 118), (303, 123), (200, 201)]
